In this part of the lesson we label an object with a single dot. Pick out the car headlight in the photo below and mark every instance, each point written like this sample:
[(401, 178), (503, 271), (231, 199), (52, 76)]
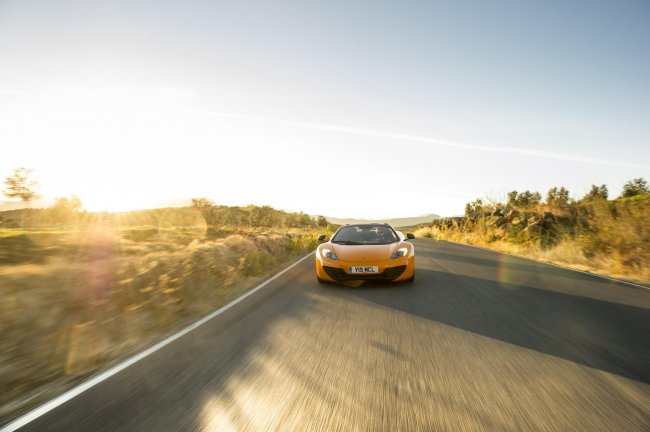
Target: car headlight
[(329, 254), (401, 252)]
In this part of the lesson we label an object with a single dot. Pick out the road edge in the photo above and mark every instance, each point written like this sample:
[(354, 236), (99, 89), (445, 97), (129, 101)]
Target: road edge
[(549, 263), (103, 376)]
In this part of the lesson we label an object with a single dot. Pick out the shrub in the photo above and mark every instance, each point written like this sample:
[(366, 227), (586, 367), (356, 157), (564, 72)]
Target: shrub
[(637, 186), (609, 237), (596, 193), (558, 198), (524, 199)]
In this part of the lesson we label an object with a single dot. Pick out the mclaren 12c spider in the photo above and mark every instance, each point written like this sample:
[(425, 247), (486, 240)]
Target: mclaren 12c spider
[(366, 252)]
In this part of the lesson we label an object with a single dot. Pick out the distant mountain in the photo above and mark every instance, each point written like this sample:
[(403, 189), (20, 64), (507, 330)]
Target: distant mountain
[(396, 222)]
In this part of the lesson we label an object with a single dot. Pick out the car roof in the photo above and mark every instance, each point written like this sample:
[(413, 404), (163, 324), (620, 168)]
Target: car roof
[(368, 224)]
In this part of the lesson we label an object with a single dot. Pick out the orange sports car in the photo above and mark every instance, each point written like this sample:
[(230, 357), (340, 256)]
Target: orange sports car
[(366, 252)]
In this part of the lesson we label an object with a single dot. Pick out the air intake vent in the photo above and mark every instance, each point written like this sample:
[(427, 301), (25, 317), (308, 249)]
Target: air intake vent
[(338, 274)]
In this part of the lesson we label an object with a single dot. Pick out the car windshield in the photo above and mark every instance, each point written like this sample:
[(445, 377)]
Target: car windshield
[(365, 235)]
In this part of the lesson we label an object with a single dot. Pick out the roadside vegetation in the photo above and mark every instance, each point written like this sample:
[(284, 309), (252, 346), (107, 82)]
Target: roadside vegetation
[(81, 290), (606, 236)]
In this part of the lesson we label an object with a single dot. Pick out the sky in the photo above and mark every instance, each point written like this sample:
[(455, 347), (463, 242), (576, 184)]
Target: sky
[(369, 109)]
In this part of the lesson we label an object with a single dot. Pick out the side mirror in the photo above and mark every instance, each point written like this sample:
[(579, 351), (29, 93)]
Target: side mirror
[(410, 236), (321, 237)]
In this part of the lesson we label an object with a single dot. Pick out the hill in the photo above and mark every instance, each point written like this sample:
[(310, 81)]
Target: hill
[(17, 205)]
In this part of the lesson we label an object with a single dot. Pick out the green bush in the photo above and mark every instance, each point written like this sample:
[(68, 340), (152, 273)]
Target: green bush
[(610, 236)]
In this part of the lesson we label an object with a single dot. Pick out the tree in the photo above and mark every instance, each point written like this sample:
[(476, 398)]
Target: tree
[(474, 207), (635, 187), (206, 207), (232, 216), (21, 185), (597, 193), (304, 220), (558, 198), (202, 202), (524, 199), (65, 210), (322, 222), (265, 216)]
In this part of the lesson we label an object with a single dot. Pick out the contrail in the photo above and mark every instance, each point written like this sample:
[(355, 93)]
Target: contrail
[(420, 139)]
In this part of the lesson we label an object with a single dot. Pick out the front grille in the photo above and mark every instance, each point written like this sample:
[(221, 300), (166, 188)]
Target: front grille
[(394, 272), (334, 272), (338, 274)]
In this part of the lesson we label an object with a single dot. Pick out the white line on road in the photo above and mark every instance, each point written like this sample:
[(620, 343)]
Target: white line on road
[(60, 400)]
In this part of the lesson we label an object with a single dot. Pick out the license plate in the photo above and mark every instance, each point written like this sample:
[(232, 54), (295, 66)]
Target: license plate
[(364, 269)]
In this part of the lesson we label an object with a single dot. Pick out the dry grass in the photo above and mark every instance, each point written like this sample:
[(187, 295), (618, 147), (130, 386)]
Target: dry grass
[(75, 302), (425, 232), (612, 239)]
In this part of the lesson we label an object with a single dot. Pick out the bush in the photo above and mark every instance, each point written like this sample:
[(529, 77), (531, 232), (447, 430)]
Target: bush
[(610, 237), (99, 301), (523, 200), (558, 198), (635, 187)]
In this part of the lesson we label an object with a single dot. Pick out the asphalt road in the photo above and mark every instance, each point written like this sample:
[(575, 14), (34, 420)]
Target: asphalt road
[(480, 341)]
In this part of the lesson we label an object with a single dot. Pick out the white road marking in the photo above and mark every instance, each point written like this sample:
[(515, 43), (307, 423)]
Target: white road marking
[(60, 400)]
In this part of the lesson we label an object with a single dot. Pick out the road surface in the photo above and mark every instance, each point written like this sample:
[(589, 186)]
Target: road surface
[(480, 341)]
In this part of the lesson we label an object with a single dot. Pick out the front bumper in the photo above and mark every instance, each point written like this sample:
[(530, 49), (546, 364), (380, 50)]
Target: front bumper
[(389, 270)]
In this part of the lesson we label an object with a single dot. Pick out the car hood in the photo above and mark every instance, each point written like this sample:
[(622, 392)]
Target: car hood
[(364, 252)]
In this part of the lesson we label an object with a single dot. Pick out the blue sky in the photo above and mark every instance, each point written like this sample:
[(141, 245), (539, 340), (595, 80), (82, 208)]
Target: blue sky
[(367, 109)]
